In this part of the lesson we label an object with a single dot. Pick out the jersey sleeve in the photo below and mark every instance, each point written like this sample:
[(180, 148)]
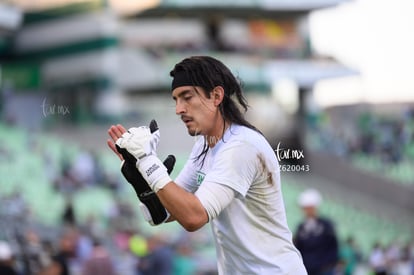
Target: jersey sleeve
[(187, 177), (236, 166)]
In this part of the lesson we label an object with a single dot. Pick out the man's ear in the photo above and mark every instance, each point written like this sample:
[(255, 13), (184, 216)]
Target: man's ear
[(218, 95)]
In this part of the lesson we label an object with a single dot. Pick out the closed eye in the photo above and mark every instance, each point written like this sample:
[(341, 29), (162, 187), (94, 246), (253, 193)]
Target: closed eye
[(185, 95)]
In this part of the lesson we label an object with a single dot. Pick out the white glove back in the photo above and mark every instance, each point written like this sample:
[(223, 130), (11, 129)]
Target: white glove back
[(139, 141)]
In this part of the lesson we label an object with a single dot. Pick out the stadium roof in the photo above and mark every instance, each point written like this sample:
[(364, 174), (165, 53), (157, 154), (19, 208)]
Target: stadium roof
[(237, 8), (264, 4), (258, 72), (143, 8)]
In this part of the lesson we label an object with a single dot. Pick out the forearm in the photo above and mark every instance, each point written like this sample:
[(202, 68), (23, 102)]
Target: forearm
[(183, 206)]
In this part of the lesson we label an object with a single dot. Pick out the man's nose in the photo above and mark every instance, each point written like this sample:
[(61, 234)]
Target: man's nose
[(179, 108)]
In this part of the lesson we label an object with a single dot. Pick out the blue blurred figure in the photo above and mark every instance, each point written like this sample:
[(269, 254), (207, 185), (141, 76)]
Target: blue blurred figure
[(316, 237)]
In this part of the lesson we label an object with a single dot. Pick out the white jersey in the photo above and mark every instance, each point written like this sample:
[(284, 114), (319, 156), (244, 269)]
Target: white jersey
[(251, 233)]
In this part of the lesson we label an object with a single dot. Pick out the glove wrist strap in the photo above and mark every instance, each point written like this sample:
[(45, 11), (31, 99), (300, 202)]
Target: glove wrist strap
[(154, 172)]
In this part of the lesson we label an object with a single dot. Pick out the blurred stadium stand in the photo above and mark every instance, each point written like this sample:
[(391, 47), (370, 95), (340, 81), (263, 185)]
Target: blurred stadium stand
[(372, 149), (67, 72)]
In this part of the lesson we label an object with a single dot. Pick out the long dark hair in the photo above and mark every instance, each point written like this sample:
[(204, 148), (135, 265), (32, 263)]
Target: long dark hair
[(207, 72)]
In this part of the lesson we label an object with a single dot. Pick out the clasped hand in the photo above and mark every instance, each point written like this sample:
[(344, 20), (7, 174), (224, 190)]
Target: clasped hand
[(139, 141)]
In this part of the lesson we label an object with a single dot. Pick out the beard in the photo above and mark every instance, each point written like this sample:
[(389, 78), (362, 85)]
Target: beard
[(194, 132)]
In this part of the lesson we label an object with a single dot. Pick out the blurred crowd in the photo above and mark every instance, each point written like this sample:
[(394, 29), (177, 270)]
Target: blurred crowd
[(385, 138), (84, 169), (106, 242), (81, 248), (324, 252), (76, 251), (84, 247)]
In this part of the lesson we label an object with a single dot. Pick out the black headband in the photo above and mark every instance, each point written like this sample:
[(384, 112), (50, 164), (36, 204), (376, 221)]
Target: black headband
[(181, 78)]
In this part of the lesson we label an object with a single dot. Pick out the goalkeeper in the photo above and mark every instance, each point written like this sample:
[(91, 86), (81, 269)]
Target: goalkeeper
[(231, 179)]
